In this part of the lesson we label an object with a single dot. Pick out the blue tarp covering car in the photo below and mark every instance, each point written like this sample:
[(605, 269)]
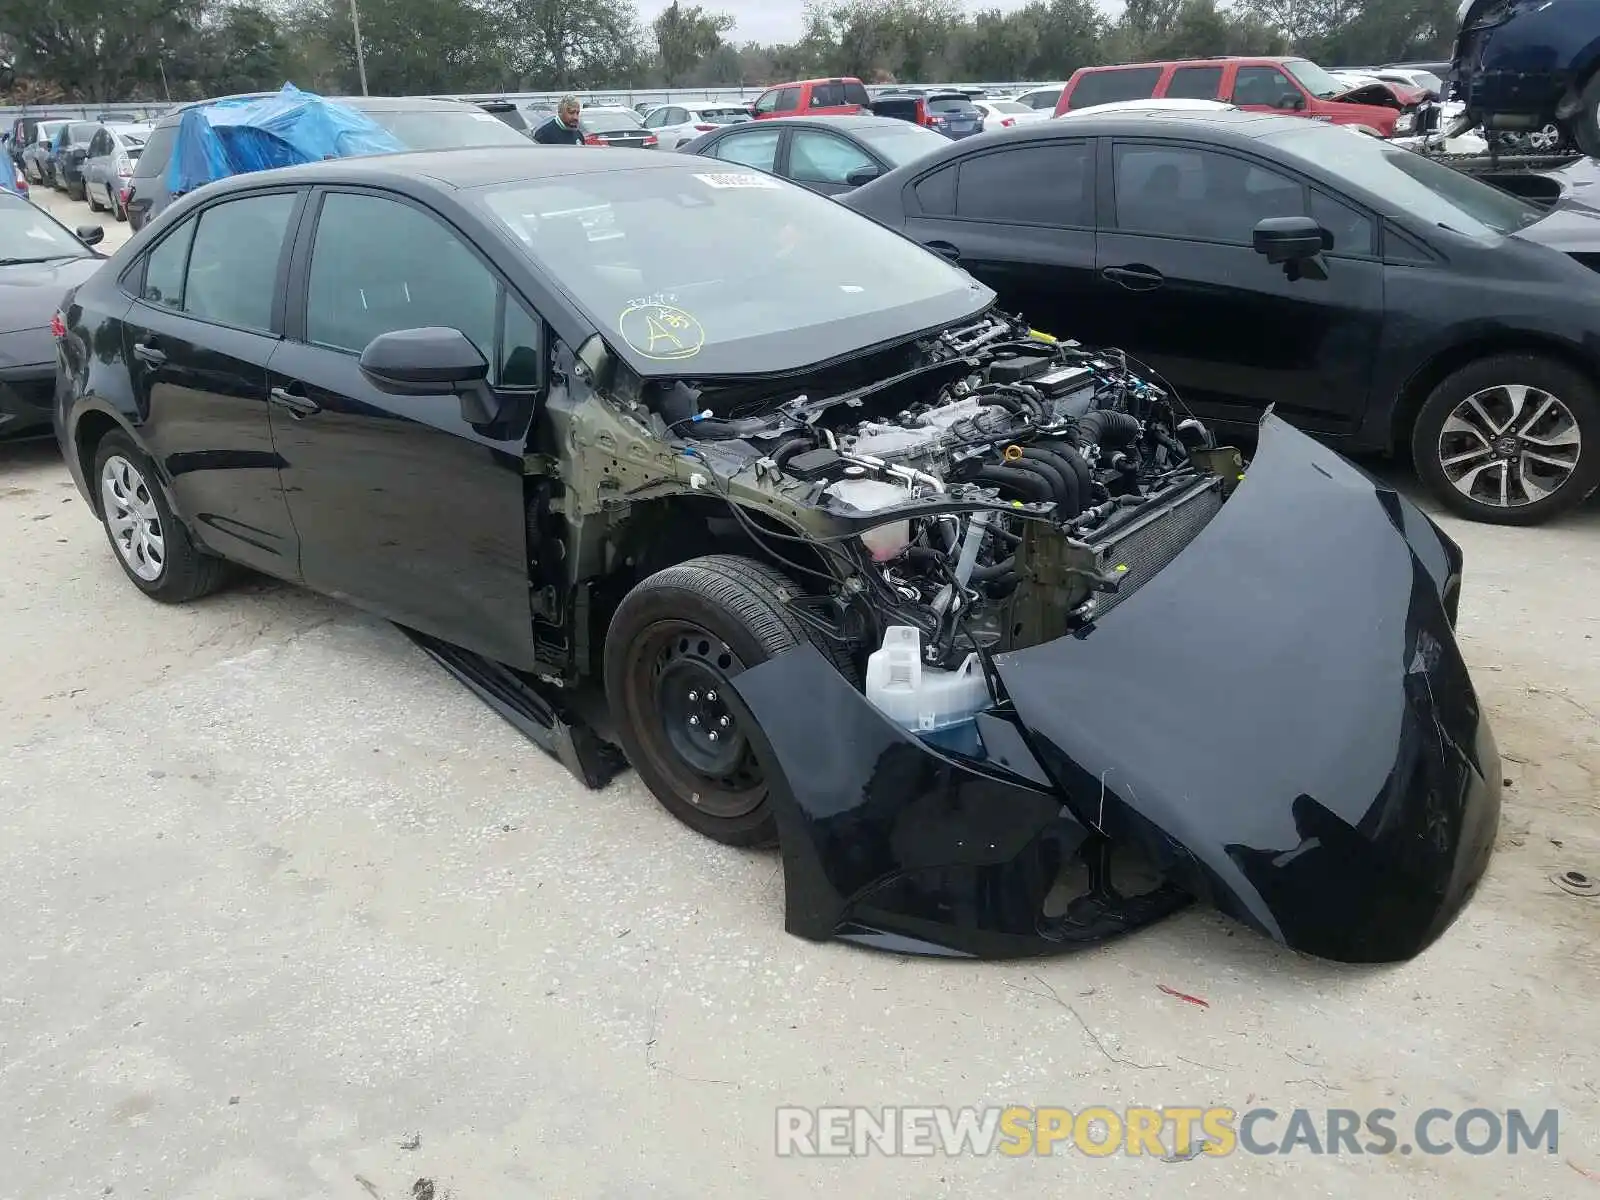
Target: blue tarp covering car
[(233, 137)]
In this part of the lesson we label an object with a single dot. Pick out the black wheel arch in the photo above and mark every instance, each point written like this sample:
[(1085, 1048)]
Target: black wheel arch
[(1444, 363)]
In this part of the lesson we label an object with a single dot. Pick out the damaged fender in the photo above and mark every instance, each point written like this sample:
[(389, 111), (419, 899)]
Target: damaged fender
[(1280, 721)]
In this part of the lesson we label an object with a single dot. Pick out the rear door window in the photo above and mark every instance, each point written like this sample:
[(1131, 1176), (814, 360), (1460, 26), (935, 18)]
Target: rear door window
[(827, 95), (1032, 184), (233, 267), (1109, 87), (1195, 83), (855, 93), (757, 148)]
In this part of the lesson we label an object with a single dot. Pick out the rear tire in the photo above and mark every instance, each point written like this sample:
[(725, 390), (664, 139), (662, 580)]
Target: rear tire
[(151, 546), (674, 643), (1510, 440), (94, 205)]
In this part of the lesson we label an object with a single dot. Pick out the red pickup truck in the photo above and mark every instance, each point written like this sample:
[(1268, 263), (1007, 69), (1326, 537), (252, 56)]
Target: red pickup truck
[(945, 111), (1292, 86)]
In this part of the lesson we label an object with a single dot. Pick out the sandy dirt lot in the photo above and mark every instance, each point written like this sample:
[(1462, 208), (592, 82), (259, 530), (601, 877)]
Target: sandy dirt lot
[(293, 915)]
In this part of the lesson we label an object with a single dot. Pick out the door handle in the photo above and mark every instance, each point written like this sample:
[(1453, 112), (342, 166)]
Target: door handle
[(298, 405), (146, 353), (945, 250), (1136, 278)]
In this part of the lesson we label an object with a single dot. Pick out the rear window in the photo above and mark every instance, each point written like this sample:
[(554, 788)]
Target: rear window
[(157, 151), (509, 115), (594, 122), (1008, 106), (444, 129), (901, 142), (82, 131), (722, 116), (1195, 83), (1108, 87), (953, 105)]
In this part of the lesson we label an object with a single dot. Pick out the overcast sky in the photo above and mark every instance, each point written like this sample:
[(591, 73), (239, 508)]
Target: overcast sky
[(769, 21)]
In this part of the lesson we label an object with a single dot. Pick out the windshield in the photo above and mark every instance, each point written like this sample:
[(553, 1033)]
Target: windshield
[(447, 129), (901, 142), (1412, 185), (708, 272), (610, 122), (28, 235), (1314, 79), (157, 151)]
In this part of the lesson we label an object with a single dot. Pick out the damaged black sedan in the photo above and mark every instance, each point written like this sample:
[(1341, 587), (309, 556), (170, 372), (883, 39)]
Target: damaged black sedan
[(679, 464)]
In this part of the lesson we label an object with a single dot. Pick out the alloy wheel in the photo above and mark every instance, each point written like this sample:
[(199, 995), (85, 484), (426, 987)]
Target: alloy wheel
[(1509, 445), (133, 519), (1546, 140)]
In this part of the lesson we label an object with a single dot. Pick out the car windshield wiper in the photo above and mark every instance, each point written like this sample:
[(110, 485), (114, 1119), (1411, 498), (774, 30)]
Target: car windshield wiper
[(18, 262)]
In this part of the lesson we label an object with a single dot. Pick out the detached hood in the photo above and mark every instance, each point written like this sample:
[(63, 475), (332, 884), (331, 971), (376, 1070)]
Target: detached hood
[(29, 293), (1281, 718), (1572, 227), (1385, 95)]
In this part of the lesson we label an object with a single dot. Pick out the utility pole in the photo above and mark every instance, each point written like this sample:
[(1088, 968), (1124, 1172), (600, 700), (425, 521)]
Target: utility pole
[(361, 57)]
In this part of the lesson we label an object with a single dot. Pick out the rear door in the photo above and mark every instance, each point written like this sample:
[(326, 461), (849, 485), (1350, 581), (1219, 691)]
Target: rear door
[(404, 507), (197, 341), (1181, 287), (1021, 219)]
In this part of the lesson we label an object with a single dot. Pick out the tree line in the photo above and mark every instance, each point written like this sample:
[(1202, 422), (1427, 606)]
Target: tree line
[(93, 51)]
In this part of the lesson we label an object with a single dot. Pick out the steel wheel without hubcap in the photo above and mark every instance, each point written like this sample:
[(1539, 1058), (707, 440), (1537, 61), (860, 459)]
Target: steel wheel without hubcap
[(1509, 446), (678, 683), (133, 519)]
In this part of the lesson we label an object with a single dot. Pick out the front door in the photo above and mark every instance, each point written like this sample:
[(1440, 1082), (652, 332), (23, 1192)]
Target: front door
[(1020, 219), (1181, 287), (403, 506), (197, 342)]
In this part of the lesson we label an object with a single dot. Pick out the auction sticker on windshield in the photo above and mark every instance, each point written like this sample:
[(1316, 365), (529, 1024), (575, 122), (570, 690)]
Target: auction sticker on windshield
[(738, 179)]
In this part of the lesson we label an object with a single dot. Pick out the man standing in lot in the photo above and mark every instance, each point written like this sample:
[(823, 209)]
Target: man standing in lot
[(562, 129)]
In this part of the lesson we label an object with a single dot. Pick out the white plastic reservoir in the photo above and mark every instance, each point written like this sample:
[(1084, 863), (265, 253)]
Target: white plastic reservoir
[(925, 700)]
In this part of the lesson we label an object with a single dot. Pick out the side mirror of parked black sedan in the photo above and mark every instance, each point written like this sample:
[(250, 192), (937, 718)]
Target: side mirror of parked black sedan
[(91, 235), (431, 361), (1295, 243), (863, 175)]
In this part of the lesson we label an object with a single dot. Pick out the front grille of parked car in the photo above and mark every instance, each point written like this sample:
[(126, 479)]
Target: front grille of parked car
[(1149, 544)]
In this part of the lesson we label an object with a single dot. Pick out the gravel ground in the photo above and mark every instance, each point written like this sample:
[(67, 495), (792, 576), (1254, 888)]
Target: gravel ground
[(294, 915)]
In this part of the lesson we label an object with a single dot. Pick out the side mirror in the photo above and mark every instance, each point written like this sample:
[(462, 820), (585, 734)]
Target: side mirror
[(91, 235), (1292, 100), (863, 175), (1295, 243), (431, 362)]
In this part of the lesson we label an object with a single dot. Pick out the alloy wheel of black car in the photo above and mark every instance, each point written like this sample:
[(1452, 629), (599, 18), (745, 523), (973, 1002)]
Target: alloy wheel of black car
[(1510, 440), (152, 547), (674, 643)]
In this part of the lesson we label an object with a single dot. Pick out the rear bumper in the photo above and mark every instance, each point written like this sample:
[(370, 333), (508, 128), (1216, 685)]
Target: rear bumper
[(26, 400), (1278, 723)]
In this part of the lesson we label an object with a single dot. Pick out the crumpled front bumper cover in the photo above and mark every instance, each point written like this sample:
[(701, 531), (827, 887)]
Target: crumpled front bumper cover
[(1280, 722)]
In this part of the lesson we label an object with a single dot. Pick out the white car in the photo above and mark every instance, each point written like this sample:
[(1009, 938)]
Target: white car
[(678, 124), (1045, 97), (1003, 114)]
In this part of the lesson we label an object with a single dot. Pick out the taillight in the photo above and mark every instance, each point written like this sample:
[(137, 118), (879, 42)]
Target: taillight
[(649, 139), (1008, 122), (58, 327), (922, 114), (705, 128), (590, 139)]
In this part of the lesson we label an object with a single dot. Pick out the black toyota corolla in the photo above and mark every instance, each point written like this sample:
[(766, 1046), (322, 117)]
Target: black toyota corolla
[(985, 630)]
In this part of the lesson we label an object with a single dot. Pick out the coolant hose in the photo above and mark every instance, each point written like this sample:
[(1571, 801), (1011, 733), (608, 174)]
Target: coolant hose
[(1008, 479), (1107, 427), (1069, 496), (993, 571), (789, 449)]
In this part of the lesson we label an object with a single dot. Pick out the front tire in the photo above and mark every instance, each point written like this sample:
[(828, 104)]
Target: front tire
[(1584, 126), (94, 205), (675, 642), (1510, 440), (150, 545)]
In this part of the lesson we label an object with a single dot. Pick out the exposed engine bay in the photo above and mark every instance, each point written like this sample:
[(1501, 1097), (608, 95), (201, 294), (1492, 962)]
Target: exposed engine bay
[(999, 490)]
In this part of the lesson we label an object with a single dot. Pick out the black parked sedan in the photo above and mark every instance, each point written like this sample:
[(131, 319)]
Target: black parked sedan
[(1375, 297), (39, 261), (831, 531), (830, 155)]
